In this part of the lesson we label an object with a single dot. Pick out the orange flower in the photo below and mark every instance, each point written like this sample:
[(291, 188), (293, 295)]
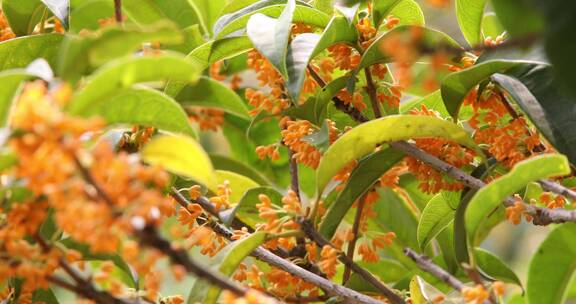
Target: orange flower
[(328, 260), (498, 288), (207, 119), (477, 294)]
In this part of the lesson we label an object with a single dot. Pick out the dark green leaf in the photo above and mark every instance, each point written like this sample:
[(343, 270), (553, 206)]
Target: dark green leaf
[(362, 178), (381, 9), (521, 18), (46, 296), (548, 108), (88, 15), (394, 214), (457, 85)]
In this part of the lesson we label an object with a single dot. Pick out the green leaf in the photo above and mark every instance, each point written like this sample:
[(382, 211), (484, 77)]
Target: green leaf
[(208, 11), (7, 159), (364, 138), (237, 252), (394, 214), (20, 52), (561, 21), (23, 15), (125, 72), (81, 53), (211, 93), (491, 26), (60, 9), (46, 296), (233, 12), (306, 46), (142, 106), (549, 108), (87, 254), (270, 36), (381, 9), (149, 12), (489, 198), (494, 268), (470, 14), (239, 184), (209, 53), (325, 6), (183, 156), (421, 292), (11, 81), (87, 15), (431, 39), (521, 18), (362, 178), (409, 13), (302, 14), (552, 266), (456, 86), (432, 101), (246, 209), (436, 216), (221, 162)]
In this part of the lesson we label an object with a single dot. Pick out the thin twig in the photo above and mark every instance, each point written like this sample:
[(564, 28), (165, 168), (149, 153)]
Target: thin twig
[(541, 216), (150, 237), (372, 93), (308, 227), (294, 182), (425, 263), (558, 189), (297, 271), (355, 233), (118, 11)]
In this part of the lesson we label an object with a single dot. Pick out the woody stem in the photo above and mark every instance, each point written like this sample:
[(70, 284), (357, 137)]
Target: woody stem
[(372, 93), (118, 11), (355, 232), (308, 227)]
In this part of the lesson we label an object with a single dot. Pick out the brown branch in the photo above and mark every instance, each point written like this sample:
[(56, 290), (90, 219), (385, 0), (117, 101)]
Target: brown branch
[(372, 93), (338, 103), (150, 237), (542, 216), (294, 182), (308, 227), (558, 189), (355, 233), (118, 11), (425, 263), (295, 270)]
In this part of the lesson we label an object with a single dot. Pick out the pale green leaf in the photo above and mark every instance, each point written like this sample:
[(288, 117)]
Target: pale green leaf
[(125, 72), (436, 216), (470, 14), (11, 81), (363, 139), (183, 156), (239, 184), (20, 52), (489, 198)]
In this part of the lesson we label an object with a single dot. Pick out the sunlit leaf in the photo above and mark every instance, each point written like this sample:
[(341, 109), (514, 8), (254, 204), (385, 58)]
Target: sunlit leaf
[(363, 139), (124, 73), (11, 81), (470, 14), (183, 156), (239, 184), (23, 15), (489, 198), (20, 52), (436, 216), (145, 107)]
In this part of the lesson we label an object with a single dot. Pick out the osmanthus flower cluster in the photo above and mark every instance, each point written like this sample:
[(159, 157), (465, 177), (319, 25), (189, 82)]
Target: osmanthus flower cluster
[(277, 152)]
